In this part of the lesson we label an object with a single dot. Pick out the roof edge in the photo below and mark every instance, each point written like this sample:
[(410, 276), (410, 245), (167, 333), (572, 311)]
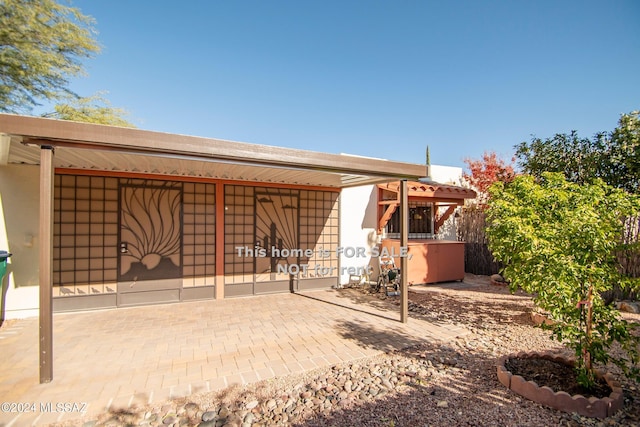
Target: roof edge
[(41, 131)]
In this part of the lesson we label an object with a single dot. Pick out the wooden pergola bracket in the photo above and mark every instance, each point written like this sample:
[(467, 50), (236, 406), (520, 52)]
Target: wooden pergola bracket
[(386, 216), (445, 215)]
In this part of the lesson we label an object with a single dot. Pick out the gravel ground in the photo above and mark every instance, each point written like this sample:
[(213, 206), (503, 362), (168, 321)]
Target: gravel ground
[(452, 383)]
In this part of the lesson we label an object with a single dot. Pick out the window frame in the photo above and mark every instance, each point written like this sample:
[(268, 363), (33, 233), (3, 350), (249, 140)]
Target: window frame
[(392, 228)]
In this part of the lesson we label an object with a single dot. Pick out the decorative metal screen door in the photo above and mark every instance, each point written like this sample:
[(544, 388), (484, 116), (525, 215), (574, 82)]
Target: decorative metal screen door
[(150, 240), (277, 232)]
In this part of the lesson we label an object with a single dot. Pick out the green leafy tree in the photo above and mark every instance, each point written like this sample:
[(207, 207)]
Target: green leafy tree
[(42, 45), (613, 156), (558, 241), (625, 140), (92, 109)]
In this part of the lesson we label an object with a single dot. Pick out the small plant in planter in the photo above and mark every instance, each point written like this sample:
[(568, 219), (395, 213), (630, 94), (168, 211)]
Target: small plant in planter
[(558, 241)]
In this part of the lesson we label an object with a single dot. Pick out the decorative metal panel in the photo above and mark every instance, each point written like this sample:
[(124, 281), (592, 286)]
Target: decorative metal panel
[(266, 225), (277, 232), (199, 235), (85, 235), (150, 231)]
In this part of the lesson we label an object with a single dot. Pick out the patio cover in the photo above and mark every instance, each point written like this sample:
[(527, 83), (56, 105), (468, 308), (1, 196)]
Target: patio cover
[(64, 146), (90, 147)]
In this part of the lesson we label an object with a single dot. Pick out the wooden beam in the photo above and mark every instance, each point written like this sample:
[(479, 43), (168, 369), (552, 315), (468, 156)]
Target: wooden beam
[(438, 200), (440, 221), (404, 243), (219, 241), (46, 264)]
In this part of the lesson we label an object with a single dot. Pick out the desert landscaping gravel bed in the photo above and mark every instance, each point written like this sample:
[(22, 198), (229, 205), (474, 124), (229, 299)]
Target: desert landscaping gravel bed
[(430, 384)]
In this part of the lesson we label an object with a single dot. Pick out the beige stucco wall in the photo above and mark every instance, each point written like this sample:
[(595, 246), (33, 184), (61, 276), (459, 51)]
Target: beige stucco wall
[(19, 205), (358, 223)]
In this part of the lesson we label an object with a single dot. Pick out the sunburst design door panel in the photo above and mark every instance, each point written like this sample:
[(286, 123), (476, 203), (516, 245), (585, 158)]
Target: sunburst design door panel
[(150, 233)]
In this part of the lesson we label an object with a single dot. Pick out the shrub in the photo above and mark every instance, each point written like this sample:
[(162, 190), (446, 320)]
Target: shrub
[(558, 241)]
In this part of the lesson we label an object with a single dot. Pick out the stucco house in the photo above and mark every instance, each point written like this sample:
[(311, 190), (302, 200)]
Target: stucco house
[(103, 217), (135, 217)]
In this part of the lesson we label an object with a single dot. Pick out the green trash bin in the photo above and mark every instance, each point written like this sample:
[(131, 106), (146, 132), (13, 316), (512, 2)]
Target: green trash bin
[(3, 265)]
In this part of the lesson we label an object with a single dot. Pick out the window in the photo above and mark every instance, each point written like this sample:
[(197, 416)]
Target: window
[(420, 221)]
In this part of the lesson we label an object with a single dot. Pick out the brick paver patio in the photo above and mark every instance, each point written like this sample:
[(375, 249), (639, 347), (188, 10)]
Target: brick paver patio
[(123, 357)]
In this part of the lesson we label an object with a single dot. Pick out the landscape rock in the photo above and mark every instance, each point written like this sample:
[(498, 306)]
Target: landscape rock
[(497, 279), (425, 383), (209, 416), (629, 307)]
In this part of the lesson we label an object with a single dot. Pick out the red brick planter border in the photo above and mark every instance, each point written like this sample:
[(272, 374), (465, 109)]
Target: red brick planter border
[(591, 407)]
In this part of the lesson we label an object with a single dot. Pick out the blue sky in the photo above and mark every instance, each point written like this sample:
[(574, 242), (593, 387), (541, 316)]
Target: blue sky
[(372, 78)]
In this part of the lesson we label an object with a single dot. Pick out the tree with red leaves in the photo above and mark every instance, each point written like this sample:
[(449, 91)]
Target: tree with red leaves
[(484, 172)]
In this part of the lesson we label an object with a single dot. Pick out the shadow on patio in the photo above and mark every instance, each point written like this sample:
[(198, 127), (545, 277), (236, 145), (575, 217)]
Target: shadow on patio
[(137, 356)]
